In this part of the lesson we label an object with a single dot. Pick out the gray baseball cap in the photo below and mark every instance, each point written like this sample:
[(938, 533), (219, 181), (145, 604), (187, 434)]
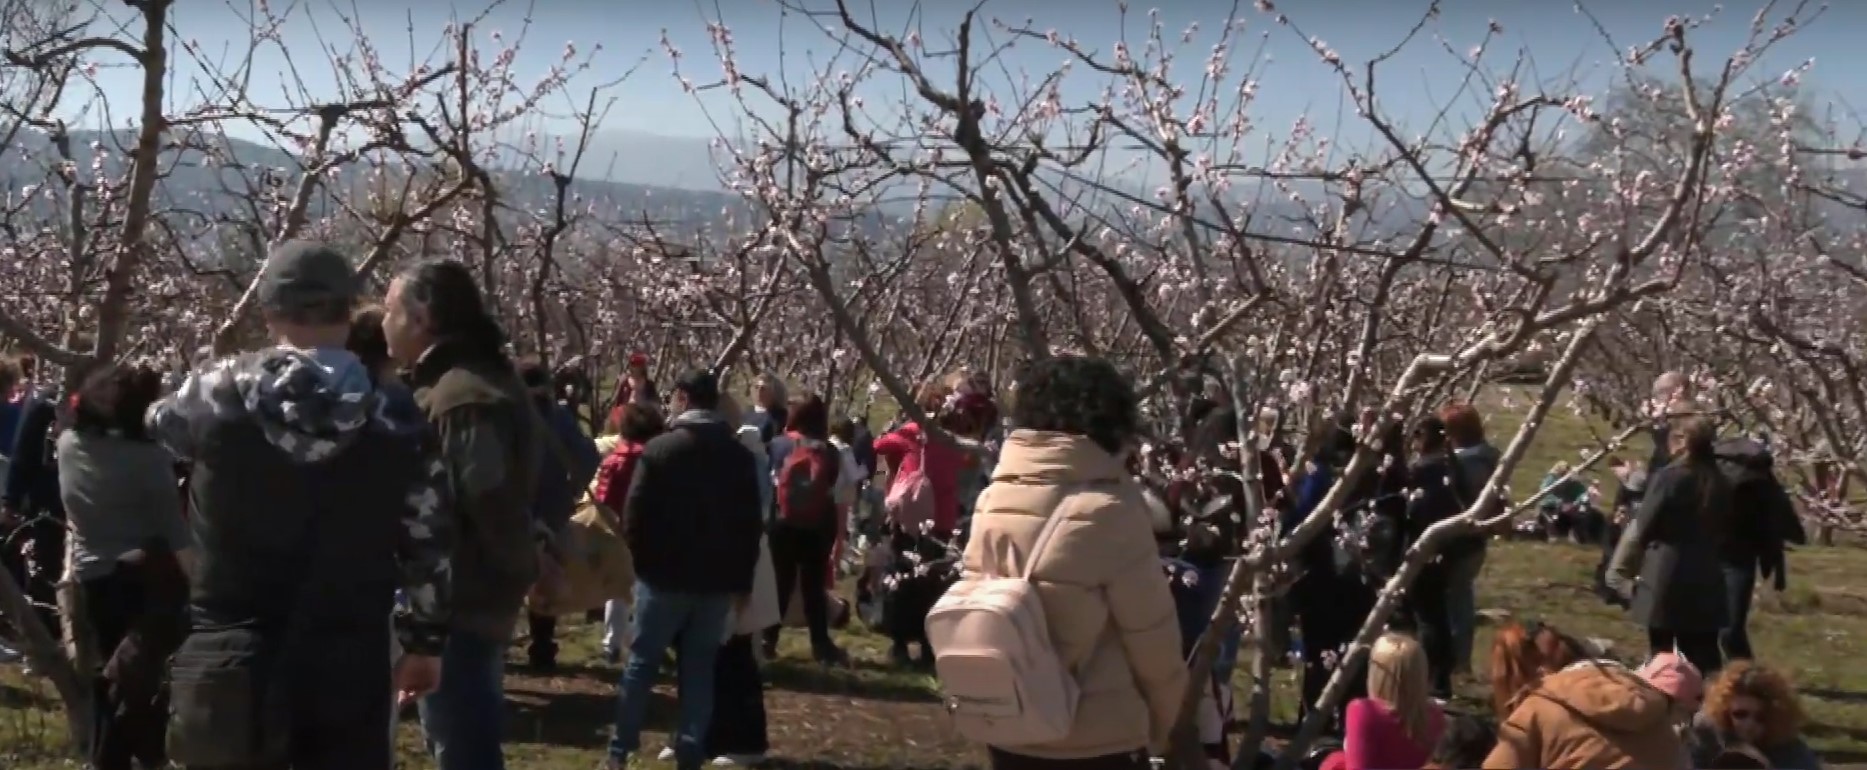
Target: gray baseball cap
[(306, 274)]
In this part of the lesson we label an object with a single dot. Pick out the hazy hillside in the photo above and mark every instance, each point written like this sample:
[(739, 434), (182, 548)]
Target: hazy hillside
[(217, 182), (628, 176)]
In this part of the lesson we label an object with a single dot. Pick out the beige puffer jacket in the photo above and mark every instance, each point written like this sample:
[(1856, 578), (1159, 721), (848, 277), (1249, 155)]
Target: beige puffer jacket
[(1111, 616)]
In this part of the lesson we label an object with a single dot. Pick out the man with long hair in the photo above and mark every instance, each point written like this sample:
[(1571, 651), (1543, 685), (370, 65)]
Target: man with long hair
[(438, 327)]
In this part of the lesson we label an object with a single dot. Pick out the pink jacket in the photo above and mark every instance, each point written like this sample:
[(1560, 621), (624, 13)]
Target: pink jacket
[(1375, 740), (901, 451)]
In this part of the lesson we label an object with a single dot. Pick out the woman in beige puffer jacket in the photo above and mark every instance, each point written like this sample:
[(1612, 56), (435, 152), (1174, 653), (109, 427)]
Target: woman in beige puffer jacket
[(1110, 614)]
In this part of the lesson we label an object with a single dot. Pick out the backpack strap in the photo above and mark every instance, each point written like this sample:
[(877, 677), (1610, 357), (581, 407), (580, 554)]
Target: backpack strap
[(1043, 536)]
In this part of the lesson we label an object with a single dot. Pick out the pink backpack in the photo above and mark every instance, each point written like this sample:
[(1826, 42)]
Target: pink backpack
[(910, 501), (999, 674)]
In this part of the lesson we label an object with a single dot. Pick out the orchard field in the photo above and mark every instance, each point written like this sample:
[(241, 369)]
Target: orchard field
[(874, 716), (1328, 214)]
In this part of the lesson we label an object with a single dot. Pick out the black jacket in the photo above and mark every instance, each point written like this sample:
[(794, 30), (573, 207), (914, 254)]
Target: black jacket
[(1662, 453), (1766, 519), (692, 517), (1437, 495), (32, 476)]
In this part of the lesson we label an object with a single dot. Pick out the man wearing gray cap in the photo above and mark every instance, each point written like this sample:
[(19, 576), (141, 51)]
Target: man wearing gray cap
[(311, 506)]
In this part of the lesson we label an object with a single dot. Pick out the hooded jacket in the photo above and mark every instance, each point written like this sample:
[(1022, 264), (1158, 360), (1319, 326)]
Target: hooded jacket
[(692, 515), (1596, 715), (309, 498)]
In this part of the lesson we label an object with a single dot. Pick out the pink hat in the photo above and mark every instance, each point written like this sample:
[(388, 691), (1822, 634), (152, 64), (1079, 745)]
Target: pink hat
[(1671, 673)]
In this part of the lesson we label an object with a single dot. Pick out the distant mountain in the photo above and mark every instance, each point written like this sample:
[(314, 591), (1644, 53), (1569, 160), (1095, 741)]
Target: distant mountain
[(626, 176), (215, 181), (635, 157)]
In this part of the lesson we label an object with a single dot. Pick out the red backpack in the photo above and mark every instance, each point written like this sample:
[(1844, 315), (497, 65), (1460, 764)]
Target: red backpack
[(806, 483)]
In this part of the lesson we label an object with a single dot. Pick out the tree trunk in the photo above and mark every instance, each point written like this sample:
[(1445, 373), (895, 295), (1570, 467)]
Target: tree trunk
[(46, 656)]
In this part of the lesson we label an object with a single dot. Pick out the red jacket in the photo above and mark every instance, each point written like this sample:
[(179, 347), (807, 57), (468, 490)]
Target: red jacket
[(901, 450), (614, 475)]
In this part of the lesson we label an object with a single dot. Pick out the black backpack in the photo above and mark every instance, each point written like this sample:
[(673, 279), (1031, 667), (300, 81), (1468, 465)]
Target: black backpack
[(1756, 492)]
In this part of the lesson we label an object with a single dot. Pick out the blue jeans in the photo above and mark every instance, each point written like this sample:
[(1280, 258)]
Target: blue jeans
[(1462, 606), (699, 620), (1739, 582), (464, 719), (1212, 588)]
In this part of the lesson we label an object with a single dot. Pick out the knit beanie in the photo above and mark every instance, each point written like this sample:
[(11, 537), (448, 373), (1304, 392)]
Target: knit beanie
[(1671, 673)]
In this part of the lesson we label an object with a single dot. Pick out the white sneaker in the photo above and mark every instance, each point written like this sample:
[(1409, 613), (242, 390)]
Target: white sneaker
[(666, 755), (739, 760), (9, 655)]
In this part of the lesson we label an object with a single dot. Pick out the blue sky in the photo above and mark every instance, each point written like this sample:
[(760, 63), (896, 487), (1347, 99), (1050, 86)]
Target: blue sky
[(1560, 42)]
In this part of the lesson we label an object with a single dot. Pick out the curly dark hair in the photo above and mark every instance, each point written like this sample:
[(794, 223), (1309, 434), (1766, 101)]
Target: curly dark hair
[(114, 398), (1078, 395)]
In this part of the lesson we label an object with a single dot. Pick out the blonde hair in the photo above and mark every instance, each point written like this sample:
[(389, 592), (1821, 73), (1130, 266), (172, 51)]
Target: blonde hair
[(1397, 678)]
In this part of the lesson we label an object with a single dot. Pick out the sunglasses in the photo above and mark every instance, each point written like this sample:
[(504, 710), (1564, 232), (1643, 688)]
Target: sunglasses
[(1743, 715)]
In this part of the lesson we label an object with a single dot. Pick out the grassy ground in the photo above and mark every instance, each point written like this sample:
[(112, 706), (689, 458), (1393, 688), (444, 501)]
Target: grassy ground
[(874, 717)]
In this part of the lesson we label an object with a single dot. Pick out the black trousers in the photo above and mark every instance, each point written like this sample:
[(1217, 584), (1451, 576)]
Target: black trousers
[(738, 726), (1431, 618), (800, 560), (340, 704), (1330, 610), (38, 575), (1699, 647), (1127, 760), (123, 730), (543, 647)]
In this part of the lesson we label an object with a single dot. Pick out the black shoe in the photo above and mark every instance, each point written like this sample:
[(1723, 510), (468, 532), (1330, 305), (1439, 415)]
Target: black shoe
[(900, 657), (833, 657), (542, 657)]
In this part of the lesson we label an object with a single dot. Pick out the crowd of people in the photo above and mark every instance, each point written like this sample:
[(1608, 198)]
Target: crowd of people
[(369, 506)]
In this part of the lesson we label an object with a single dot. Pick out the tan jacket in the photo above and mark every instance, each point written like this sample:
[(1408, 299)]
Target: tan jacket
[(1593, 716), (1111, 617)]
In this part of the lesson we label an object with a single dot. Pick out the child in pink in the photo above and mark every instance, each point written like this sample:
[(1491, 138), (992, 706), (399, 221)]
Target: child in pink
[(1375, 740)]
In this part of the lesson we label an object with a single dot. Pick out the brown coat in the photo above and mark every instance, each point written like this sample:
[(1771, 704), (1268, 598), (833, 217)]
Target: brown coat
[(1593, 715), (1111, 617)]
